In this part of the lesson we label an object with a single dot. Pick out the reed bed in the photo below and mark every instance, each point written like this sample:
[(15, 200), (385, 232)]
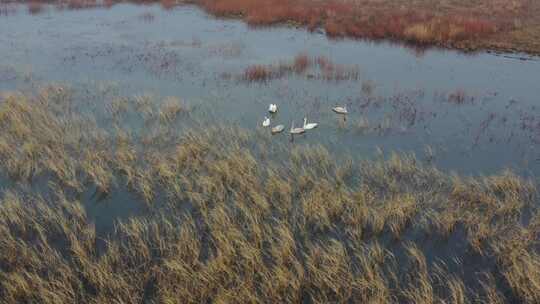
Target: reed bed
[(231, 217)]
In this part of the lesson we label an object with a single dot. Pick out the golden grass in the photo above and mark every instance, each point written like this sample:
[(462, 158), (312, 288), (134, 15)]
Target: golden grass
[(223, 224)]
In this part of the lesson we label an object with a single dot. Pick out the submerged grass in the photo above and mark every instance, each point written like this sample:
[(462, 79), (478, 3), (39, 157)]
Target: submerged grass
[(229, 222)]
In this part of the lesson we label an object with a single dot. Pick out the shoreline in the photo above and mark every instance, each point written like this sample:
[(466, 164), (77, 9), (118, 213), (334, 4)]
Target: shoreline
[(472, 33)]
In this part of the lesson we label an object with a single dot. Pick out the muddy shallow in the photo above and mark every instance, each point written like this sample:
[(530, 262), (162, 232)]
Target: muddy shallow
[(474, 114)]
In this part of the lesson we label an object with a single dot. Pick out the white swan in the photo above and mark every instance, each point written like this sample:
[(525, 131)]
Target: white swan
[(295, 131), (340, 110), (278, 129), (266, 122), (309, 126), (272, 108)]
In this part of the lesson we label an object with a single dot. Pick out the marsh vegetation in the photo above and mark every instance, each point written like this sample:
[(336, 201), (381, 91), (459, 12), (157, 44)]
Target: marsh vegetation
[(466, 25), (229, 216), (134, 167), (302, 65)]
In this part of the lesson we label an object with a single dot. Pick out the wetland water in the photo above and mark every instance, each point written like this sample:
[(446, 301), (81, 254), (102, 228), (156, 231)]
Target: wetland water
[(474, 114), (128, 175)]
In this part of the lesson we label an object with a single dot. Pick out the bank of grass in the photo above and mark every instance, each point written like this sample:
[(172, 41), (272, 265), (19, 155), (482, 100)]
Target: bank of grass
[(467, 25), (232, 217)]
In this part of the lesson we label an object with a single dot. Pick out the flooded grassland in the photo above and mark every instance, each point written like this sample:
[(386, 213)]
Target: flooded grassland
[(135, 167)]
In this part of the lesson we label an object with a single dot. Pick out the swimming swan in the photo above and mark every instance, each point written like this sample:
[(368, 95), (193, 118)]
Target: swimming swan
[(266, 122), (340, 110), (295, 131), (278, 129), (309, 126)]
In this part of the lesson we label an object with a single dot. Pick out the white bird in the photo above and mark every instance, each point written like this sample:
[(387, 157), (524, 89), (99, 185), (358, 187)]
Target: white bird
[(278, 129), (294, 130), (272, 108), (340, 110), (266, 122), (309, 126)]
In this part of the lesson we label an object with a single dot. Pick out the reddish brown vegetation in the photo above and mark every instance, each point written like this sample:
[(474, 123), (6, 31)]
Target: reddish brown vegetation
[(299, 66), (468, 25), (35, 8), (168, 4), (337, 72), (80, 4), (360, 19), (258, 73), (463, 24), (459, 97), (301, 63)]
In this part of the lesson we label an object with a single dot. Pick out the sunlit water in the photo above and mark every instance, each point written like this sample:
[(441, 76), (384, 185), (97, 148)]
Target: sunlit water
[(400, 102)]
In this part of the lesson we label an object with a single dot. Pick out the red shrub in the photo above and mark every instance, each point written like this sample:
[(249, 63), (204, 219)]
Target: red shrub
[(333, 29), (168, 4), (35, 8), (301, 63), (258, 73)]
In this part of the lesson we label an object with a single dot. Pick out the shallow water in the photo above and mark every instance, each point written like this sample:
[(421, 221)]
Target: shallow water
[(403, 95)]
